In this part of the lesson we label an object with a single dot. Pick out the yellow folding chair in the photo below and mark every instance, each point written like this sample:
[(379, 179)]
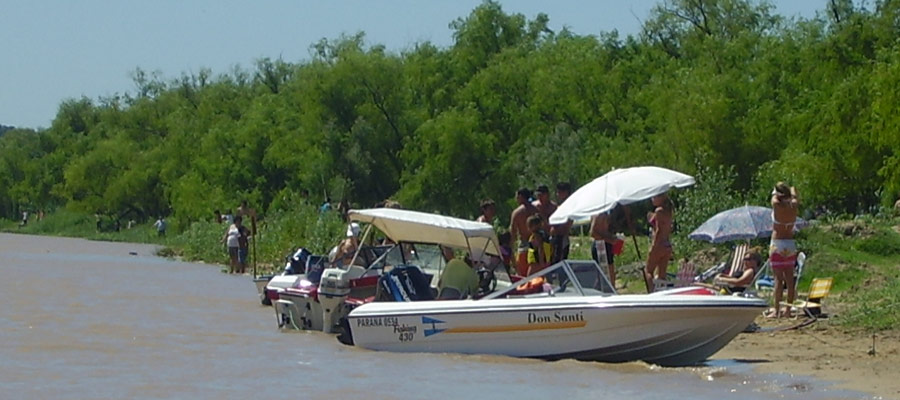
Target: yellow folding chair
[(818, 290)]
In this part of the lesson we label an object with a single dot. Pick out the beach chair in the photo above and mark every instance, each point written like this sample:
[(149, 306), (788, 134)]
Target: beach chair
[(686, 273), (812, 306), (737, 261)]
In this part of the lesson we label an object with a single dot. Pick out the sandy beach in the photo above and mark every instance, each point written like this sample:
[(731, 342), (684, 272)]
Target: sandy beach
[(824, 352)]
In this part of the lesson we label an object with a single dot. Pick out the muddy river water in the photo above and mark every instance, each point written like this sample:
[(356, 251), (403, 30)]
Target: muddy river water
[(96, 320)]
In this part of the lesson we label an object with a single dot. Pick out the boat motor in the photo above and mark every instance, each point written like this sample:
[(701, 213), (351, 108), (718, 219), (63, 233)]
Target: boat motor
[(296, 263), (487, 282), (334, 287)]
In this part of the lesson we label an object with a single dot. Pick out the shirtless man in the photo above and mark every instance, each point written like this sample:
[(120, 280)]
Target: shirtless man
[(602, 249), (246, 212), (488, 211), (544, 205), (518, 228), (559, 234)]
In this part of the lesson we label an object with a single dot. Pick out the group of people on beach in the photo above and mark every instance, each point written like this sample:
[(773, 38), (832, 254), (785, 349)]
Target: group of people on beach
[(540, 244)]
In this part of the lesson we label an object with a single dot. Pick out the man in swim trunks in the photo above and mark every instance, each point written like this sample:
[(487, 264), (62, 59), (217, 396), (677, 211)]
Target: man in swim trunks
[(602, 248), (559, 233), (544, 205), (783, 250), (518, 228)]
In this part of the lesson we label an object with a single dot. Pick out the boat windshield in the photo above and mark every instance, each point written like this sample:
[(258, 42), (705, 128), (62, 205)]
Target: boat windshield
[(429, 258), (565, 278)]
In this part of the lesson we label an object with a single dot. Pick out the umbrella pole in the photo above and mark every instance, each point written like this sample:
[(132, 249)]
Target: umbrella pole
[(631, 228), (647, 281)]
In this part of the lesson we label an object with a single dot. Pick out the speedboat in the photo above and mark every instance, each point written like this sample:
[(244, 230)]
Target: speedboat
[(567, 310), (300, 306), (417, 237), (296, 267)]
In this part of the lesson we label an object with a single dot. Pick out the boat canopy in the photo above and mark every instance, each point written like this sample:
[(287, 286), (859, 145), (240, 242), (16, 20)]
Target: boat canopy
[(419, 227)]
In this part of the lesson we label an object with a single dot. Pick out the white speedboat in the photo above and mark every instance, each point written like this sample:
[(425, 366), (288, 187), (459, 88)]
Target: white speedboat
[(567, 310), (297, 266)]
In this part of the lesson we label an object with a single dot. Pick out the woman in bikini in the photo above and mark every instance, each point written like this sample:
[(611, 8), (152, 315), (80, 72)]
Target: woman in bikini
[(783, 250), (660, 247)]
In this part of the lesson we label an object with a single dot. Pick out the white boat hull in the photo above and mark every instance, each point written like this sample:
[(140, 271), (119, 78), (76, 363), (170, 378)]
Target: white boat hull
[(669, 330)]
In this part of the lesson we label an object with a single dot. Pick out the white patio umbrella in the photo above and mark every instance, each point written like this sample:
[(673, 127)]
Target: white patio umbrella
[(620, 186)]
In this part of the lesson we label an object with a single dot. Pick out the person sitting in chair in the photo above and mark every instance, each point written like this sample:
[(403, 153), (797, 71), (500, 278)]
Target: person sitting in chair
[(458, 279), (740, 278)]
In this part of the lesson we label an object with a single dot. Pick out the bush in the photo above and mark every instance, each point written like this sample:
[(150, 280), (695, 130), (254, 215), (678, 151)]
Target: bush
[(875, 310), (712, 194), (882, 243)]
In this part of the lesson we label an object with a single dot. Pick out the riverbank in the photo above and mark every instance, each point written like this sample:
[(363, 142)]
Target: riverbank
[(825, 352)]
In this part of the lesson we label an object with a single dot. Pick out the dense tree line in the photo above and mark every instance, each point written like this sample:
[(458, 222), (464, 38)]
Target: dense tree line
[(722, 85)]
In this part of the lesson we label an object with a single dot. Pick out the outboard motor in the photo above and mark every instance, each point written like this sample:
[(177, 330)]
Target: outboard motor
[(487, 282), (405, 283), (296, 263), (334, 287)]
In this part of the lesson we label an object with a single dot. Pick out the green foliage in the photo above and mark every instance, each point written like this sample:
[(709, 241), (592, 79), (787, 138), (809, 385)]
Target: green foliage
[(202, 240), (713, 193), (882, 243), (723, 89), (876, 309)]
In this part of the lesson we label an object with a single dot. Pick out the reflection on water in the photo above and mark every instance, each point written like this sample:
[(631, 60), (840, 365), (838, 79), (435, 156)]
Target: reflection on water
[(100, 320)]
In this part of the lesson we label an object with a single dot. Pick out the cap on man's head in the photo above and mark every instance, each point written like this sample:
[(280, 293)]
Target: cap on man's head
[(353, 229), (542, 189)]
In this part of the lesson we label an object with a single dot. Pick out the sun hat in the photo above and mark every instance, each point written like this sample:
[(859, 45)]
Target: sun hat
[(353, 229)]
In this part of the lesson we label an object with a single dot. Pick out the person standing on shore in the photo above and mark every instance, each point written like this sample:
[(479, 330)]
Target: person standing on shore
[(244, 211), (660, 246), (783, 249), (539, 250), (602, 249), (488, 212), (160, 226), (235, 238), (518, 228), (559, 233), (544, 206)]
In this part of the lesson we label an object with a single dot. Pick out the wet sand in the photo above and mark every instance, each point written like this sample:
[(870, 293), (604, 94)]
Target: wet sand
[(824, 352)]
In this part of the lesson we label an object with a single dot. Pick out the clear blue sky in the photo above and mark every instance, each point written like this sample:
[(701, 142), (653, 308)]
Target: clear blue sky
[(54, 50)]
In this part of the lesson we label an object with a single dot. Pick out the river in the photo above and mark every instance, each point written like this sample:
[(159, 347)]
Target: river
[(97, 320)]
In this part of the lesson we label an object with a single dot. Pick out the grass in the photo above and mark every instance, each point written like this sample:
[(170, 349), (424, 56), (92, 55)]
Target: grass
[(861, 254), (73, 224)]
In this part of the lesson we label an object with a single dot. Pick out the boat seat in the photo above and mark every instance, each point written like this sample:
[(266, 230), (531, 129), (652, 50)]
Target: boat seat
[(355, 272), (450, 293)]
